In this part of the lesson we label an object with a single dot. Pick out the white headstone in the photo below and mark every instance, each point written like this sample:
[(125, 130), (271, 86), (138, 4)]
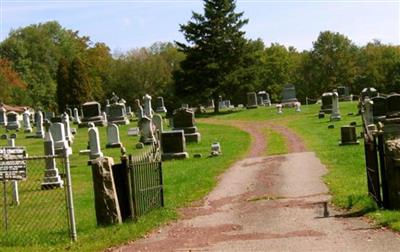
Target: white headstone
[(335, 115), (39, 125), (147, 106), (51, 178), (94, 143), (368, 111), (67, 127), (26, 121), (77, 119), (279, 108), (113, 136), (297, 105), (57, 132), (157, 121), (146, 129)]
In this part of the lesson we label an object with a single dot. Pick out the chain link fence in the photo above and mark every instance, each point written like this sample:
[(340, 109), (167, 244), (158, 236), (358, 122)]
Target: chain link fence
[(34, 201)]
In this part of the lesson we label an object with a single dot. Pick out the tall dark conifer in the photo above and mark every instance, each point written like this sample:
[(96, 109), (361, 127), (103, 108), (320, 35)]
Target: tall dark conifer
[(63, 96), (80, 89), (216, 48)]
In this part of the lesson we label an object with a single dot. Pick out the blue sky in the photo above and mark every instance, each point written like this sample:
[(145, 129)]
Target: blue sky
[(127, 24)]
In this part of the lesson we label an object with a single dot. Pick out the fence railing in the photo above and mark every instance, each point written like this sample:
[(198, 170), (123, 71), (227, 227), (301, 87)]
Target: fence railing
[(37, 207)]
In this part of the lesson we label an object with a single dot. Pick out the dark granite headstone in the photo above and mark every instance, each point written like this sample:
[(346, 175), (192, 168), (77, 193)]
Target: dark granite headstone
[(348, 135), (173, 145), (183, 119), (289, 94), (251, 100), (326, 100), (393, 105)]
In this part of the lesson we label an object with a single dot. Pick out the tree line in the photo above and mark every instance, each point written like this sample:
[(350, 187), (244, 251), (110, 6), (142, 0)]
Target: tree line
[(46, 65)]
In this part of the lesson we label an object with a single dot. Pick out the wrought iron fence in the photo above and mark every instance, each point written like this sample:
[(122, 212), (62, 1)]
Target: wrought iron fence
[(36, 206)]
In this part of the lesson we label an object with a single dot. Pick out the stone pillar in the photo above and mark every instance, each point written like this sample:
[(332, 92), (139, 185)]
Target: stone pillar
[(105, 194), (335, 116)]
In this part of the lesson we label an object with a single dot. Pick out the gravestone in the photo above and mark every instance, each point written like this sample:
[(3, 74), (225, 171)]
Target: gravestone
[(57, 132), (129, 111), (227, 103), (183, 119), (77, 118), (210, 104), (368, 111), (91, 112), (116, 113), (251, 100), (113, 140), (51, 178), (221, 105), (393, 106), (288, 94), (136, 106), (326, 105), (335, 116), (215, 149), (104, 114), (158, 123), (67, 128), (94, 143), (344, 93), (348, 135), (48, 115), (26, 122), (264, 98), (160, 105), (185, 105), (3, 116), (297, 106), (133, 131), (368, 92), (279, 108), (12, 121), (146, 131), (379, 108), (147, 106), (173, 145), (39, 125)]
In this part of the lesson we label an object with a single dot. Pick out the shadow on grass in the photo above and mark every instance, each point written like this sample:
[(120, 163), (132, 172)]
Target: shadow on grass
[(212, 114), (358, 205)]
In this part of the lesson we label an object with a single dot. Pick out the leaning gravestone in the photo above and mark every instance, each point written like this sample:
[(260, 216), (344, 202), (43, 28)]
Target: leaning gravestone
[(3, 116), (113, 140), (326, 105), (183, 119), (51, 178), (26, 122), (160, 105), (173, 145), (12, 121), (251, 100), (335, 116), (146, 131)]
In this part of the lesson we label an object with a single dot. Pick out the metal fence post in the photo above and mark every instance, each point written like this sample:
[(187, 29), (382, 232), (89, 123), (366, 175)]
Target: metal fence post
[(70, 201)]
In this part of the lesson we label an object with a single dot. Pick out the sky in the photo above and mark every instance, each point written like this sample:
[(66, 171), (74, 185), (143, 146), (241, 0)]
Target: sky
[(128, 24)]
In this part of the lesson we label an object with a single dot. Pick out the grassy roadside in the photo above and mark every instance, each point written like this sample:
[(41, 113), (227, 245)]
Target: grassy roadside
[(185, 181)]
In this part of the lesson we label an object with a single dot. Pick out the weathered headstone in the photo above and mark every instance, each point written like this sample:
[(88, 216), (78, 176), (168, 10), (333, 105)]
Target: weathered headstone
[(379, 108), (57, 132), (26, 122), (264, 98), (173, 145), (251, 100), (3, 116), (147, 106), (185, 106), (48, 115), (51, 178), (368, 111), (297, 106), (91, 112), (146, 129), (160, 105), (158, 123), (344, 93), (215, 149), (77, 118), (335, 116), (94, 143), (210, 104), (12, 121), (67, 128), (106, 201), (326, 105), (348, 135), (393, 106), (140, 113), (133, 131), (39, 125), (116, 113), (113, 140), (289, 94), (184, 120)]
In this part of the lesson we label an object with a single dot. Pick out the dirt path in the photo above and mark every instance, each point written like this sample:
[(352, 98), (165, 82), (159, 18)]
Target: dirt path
[(275, 203)]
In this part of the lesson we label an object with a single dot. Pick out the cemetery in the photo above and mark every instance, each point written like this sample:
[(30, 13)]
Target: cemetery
[(211, 141)]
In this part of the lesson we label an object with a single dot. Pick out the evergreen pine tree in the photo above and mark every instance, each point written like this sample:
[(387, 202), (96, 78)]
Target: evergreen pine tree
[(216, 49), (63, 85), (80, 89)]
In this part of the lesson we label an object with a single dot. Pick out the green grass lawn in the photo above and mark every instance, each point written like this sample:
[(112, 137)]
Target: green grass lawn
[(185, 181), (276, 142)]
